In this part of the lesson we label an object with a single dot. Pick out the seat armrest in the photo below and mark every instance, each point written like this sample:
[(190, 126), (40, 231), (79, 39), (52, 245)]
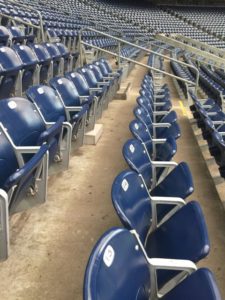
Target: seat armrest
[(158, 141), (159, 125), (95, 89), (165, 164)]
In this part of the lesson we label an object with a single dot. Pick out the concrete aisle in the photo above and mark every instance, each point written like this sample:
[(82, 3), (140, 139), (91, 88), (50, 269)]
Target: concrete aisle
[(50, 244), (205, 192)]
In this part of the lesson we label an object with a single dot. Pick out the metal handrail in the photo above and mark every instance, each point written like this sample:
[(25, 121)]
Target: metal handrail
[(138, 63), (141, 48)]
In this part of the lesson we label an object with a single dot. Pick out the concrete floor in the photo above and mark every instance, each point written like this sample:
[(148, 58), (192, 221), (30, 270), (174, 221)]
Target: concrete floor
[(50, 244)]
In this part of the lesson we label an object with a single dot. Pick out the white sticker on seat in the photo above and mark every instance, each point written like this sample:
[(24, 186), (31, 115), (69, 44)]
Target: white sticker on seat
[(136, 126), (2, 49), (139, 111), (40, 91), (132, 148), (108, 256), (12, 104), (125, 185), (72, 75), (22, 47), (59, 81)]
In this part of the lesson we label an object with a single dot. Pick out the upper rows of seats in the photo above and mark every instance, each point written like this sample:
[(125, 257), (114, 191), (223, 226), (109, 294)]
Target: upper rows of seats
[(154, 20), (210, 19)]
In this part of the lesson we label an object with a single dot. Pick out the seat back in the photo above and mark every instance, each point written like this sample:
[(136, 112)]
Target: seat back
[(117, 251), (29, 61), (103, 68), (89, 76), (41, 53), (27, 56), (142, 115), (132, 203), (25, 177), (97, 72), (47, 101), (79, 82), (44, 60), (199, 285), (53, 50), (8, 161), (22, 121), (141, 132), (63, 50), (145, 103), (106, 64), (66, 90), (14, 180), (55, 56), (4, 36), (138, 160), (10, 65)]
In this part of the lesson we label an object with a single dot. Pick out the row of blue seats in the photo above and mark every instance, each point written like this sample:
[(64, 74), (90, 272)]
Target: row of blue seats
[(208, 113), (36, 132), (22, 66), (154, 256), (12, 34), (211, 120), (207, 81)]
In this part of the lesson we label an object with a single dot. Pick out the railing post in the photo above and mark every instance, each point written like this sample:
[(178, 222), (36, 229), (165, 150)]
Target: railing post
[(119, 53), (80, 48)]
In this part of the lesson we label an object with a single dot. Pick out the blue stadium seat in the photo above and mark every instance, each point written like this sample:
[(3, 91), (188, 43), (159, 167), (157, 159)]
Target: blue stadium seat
[(108, 75), (163, 116), (69, 95), (10, 72), (158, 150), (166, 126), (137, 207), (19, 176), (160, 183), (22, 183), (30, 72), (66, 56), (26, 127), (155, 129), (200, 285), (4, 36), (84, 90), (52, 108), (118, 249), (160, 106), (44, 61), (101, 91), (57, 58), (138, 211)]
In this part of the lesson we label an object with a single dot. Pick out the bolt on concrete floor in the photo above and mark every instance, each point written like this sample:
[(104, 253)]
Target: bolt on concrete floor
[(51, 243)]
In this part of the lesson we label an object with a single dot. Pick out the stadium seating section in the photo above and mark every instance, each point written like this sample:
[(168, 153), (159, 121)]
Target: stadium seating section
[(51, 95)]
